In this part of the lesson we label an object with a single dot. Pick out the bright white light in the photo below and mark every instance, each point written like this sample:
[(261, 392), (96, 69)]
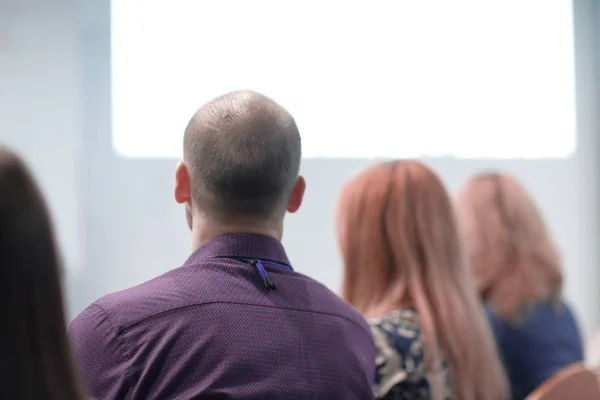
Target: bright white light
[(463, 78)]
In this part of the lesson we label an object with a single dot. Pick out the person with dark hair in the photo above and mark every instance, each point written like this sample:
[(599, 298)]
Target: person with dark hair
[(35, 358), (235, 321)]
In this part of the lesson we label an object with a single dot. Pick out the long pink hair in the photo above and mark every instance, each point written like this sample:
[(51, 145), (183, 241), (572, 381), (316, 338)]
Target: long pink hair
[(513, 257), (400, 246)]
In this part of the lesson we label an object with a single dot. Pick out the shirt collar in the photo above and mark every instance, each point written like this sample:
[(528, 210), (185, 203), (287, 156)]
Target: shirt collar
[(241, 245)]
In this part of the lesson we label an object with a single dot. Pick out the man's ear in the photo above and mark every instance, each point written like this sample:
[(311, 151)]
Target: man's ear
[(295, 200), (182, 184)]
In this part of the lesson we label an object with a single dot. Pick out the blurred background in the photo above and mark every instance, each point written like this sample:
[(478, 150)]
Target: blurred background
[(96, 96)]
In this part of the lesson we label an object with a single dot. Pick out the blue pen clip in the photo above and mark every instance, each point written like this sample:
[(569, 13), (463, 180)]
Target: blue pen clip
[(269, 283)]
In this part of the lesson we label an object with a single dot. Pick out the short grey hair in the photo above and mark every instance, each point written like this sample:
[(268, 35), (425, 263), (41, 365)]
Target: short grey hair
[(243, 154)]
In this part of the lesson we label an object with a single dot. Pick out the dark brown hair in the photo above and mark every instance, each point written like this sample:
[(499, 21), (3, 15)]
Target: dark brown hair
[(35, 358)]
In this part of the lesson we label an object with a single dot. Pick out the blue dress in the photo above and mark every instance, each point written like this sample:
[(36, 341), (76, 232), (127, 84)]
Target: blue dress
[(401, 371), (534, 349)]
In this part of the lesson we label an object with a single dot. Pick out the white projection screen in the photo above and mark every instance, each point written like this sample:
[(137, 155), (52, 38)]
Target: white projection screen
[(364, 79)]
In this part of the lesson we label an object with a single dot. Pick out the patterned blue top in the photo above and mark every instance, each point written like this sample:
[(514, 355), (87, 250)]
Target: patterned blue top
[(401, 370), (546, 341)]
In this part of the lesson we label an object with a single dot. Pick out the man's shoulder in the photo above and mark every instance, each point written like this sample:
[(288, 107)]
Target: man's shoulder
[(209, 283), (165, 292), (334, 304)]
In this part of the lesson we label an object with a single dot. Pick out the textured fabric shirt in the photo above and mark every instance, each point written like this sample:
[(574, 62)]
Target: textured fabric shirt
[(401, 370), (532, 350), (212, 330)]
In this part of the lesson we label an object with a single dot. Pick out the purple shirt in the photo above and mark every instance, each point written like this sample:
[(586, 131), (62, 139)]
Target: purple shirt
[(212, 330)]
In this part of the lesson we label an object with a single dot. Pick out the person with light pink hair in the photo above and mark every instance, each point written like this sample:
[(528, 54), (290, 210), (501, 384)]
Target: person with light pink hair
[(405, 270), (518, 274)]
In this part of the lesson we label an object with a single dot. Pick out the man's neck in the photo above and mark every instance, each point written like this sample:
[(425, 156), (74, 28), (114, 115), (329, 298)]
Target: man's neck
[(205, 232)]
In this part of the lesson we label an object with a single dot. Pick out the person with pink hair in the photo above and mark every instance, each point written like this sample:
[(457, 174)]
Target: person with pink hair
[(406, 271), (518, 274)]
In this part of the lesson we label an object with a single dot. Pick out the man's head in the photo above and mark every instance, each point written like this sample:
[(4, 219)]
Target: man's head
[(241, 161)]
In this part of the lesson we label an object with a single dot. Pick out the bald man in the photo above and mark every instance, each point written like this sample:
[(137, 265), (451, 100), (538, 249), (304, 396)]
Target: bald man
[(235, 321)]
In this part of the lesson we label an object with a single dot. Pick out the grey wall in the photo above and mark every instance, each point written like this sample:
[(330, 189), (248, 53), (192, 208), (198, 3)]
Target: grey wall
[(41, 108), (130, 229)]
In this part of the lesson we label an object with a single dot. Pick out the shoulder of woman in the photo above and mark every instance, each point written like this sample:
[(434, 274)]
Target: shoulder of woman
[(398, 334), (399, 352)]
